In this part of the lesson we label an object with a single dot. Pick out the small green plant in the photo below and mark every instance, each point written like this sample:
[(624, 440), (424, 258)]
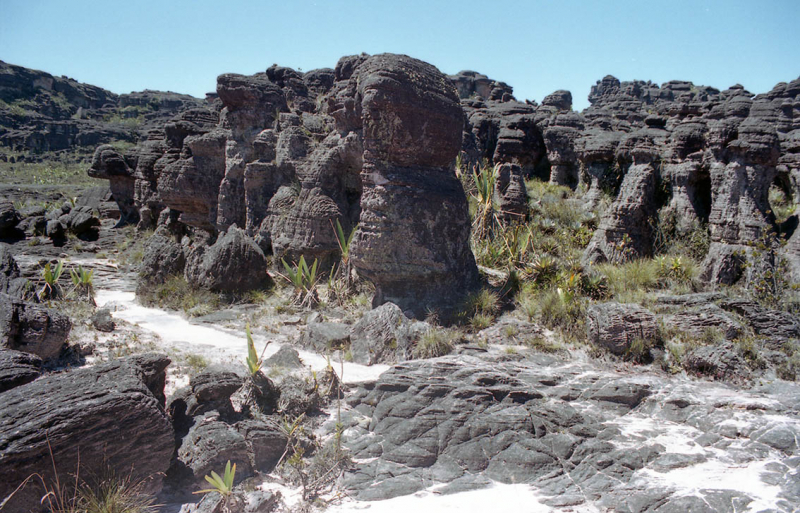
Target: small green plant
[(340, 281), (222, 485), (253, 361), (485, 179), (304, 280), (50, 288), (82, 281)]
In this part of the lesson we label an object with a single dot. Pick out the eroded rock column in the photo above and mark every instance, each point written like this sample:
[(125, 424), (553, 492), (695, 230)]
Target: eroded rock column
[(413, 237)]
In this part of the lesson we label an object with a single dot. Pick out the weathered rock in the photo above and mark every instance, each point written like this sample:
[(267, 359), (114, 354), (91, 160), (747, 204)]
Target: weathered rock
[(32, 328), (413, 237), (211, 443), (765, 321), (287, 357), (110, 165), (616, 326), (102, 415), (697, 320), (18, 368), (9, 218), (718, 361), (209, 390), (240, 501), (384, 335), (163, 257), (9, 270), (234, 263), (324, 337), (102, 320)]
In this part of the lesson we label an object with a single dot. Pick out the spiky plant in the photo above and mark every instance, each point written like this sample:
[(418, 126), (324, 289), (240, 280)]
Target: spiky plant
[(50, 276)]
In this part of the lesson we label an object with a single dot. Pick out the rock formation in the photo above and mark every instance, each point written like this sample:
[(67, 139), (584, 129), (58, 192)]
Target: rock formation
[(111, 414), (370, 143)]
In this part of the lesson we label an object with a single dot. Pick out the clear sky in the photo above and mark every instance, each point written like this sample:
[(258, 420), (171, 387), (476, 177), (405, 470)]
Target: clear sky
[(535, 46)]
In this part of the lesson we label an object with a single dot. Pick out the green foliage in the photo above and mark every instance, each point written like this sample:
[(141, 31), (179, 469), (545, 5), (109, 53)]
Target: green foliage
[(781, 204), (304, 280), (433, 343), (47, 173), (692, 243), (222, 485), (340, 282), (50, 276), (484, 180), (253, 361), (82, 281), (638, 350), (676, 269), (769, 270), (636, 275)]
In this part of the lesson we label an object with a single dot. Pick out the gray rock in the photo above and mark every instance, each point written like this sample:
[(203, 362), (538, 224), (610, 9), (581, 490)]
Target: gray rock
[(324, 337), (384, 335), (163, 257), (241, 501), (234, 263), (252, 445), (616, 326), (719, 361), (697, 320), (108, 414), (287, 357), (102, 320), (9, 270), (18, 368), (32, 328)]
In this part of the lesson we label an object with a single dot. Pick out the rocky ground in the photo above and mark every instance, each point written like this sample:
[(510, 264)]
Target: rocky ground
[(514, 304)]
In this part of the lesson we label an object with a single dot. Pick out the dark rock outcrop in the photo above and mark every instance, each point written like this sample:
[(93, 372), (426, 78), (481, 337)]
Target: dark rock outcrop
[(413, 237), (32, 328), (109, 414), (18, 368), (234, 263)]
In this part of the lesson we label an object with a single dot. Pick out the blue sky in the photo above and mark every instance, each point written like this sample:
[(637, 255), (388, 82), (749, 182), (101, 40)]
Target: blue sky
[(535, 46)]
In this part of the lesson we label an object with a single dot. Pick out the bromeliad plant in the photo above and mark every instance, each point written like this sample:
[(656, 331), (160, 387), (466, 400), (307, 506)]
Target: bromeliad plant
[(340, 281), (222, 485), (253, 361), (50, 276), (82, 280), (486, 220), (304, 279)]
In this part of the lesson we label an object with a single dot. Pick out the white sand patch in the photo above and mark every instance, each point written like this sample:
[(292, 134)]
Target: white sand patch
[(215, 343), (499, 497), (676, 438), (718, 475)]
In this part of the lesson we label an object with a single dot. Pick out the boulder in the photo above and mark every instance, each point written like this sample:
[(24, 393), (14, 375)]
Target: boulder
[(721, 362), (234, 263), (384, 335), (32, 328), (102, 320), (616, 326), (163, 258), (324, 337), (9, 270), (106, 415), (697, 320), (251, 444), (18, 368)]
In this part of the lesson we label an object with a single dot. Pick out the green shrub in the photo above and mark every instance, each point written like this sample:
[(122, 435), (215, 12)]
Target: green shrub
[(635, 275)]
